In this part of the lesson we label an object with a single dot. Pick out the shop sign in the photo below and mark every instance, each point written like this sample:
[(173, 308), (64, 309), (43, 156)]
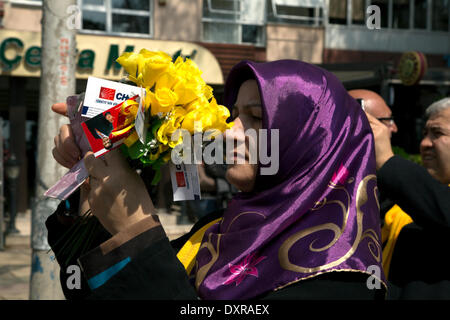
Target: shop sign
[(86, 58), (20, 55)]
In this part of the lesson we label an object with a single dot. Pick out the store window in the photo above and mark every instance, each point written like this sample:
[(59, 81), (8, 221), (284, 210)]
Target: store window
[(440, 20), (234, 21), (384, 11), (401, 13), (359, 12), (308, 12), (337, 12), (117, 16), (420, 14)]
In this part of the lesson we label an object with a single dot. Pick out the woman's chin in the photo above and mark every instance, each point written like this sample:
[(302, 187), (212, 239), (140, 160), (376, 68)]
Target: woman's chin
[(243, 180)]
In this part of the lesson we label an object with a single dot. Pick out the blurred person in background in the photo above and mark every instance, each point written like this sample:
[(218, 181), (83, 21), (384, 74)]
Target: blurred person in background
[(416, 243)]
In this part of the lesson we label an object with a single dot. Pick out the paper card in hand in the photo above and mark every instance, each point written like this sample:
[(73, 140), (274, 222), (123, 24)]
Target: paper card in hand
[(69, 182), (104, 131), (103, 94)]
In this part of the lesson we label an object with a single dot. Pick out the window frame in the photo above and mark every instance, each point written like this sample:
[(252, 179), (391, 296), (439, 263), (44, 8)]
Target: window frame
[(237, 22), (318, 21), (31, 3), (109, 11), (389, 27)]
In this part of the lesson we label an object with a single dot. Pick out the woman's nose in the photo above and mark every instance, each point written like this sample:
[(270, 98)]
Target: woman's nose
[(236, 132)]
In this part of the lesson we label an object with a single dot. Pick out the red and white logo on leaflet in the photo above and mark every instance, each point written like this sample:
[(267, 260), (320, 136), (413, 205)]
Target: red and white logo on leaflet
[(181, 182), (107, 93)]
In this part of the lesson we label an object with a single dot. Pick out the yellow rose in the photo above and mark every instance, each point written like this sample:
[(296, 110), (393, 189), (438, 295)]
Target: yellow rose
[(155, 64), (164, 133), (208, 92), (196, 104), (195, 112), (188, 67), (189, 121), (168, 79), (163, 100), (145, 67), (177, 114), (189, 90), (130, 62)]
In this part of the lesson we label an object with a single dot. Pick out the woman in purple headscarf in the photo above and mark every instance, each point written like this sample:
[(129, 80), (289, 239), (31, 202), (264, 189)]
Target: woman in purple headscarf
[(308, 230)]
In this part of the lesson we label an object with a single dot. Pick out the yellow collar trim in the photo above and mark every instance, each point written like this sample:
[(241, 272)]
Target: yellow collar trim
[(188, 252)]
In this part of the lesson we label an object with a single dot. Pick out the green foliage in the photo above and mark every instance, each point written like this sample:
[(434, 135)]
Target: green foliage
[(411, 157)]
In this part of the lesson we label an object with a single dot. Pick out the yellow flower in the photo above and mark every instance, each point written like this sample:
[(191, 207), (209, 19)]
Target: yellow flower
[(189, 90), (208, 92), (174, 90), (145, 67), (156, 63), (164, 133), (188, 67), (196, 104), (168, 79), (184, 78), (130, 62), (222, 114), (202, 117), (194, 113), (177, 114), (162, 101)]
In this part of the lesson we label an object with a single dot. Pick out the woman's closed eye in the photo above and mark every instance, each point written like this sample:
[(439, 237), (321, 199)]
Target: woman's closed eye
[(234, 113)]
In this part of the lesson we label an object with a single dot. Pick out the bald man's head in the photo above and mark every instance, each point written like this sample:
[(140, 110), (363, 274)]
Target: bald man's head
[(375, 105)]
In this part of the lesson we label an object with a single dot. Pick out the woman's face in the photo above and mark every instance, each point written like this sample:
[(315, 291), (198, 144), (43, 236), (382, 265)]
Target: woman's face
[(247, 114)]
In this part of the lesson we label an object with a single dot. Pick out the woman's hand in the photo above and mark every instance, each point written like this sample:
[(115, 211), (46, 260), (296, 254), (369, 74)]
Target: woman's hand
[(66, 152), (117, 195), (381, 134)]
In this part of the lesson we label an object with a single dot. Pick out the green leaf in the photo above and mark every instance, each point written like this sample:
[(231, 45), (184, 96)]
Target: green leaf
[(157, 177), (136, 151), (155, 124)]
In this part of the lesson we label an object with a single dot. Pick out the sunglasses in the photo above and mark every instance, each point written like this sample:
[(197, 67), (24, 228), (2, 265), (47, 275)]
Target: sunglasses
[(386, 120)]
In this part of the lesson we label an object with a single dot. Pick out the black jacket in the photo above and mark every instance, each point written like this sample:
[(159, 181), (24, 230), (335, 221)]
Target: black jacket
[(154, 271), (418, 268)]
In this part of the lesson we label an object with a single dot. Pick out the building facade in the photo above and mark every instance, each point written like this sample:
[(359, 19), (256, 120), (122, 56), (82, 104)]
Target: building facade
[(347, 37)]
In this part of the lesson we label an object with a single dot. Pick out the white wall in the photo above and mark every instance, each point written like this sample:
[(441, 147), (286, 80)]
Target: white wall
[(364, 39)]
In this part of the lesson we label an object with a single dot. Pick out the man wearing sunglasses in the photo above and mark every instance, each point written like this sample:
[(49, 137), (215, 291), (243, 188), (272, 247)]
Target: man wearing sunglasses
[(375, 105), (416, 231)]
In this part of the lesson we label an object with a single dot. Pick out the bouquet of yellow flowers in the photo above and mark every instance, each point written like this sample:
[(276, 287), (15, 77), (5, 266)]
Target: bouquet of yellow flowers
[(175, 97)]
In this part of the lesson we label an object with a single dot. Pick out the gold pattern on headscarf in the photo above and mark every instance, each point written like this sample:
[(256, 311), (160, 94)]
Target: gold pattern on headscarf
[(331, 226), (244, 213), (361, 199), (375, 193), (201, 272), (375, 243)]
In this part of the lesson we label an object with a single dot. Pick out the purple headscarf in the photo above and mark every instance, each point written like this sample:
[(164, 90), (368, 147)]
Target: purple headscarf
[(319, 213)]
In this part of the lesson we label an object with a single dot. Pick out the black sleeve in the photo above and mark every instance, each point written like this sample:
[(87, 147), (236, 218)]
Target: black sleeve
[(146, 267), (157, 274), (153, 271), (409, 185), (154, 274), (61, 238)]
